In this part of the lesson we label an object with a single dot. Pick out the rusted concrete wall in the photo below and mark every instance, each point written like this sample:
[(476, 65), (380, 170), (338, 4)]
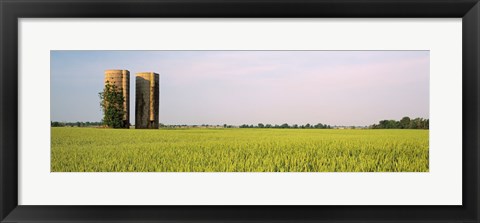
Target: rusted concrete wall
[(121, 79), (147, 96)]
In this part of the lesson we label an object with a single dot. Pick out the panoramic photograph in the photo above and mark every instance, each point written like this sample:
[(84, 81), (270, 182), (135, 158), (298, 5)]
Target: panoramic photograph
[(239, 111)]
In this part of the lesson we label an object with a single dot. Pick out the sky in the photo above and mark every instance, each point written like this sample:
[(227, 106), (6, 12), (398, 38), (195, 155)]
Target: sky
[(348, 88)]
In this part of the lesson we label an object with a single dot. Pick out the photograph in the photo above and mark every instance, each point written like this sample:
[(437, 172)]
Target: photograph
[(239, 110)]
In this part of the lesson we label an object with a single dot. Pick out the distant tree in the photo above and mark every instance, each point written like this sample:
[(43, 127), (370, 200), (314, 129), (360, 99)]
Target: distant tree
[(261, 125), (295, 126), (268, 126), (320, 126), (56, 124), (419, 123), (307, 125), (111, 103), (284, 126), (388, 124), (405, 123)]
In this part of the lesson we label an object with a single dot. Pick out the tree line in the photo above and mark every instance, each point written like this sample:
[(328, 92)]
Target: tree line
[(75, 124), (404, 123), (286, 126)]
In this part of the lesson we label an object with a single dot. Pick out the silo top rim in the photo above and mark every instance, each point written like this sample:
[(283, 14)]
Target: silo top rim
[(115, 70), (139, 73)]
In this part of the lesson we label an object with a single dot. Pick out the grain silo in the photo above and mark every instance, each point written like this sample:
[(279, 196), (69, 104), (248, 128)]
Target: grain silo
[(121, 79), (147, 100)]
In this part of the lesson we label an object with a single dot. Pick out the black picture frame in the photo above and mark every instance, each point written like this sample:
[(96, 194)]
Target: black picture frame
[(12, 10)]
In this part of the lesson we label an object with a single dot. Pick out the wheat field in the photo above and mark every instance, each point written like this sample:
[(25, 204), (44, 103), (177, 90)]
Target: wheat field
[(238, 150)]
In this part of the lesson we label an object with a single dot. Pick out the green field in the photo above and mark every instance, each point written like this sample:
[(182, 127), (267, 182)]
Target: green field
[(238, 150)]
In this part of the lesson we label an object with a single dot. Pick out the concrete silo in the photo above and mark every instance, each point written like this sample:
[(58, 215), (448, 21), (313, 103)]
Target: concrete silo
[(147, 92), (121, 79)]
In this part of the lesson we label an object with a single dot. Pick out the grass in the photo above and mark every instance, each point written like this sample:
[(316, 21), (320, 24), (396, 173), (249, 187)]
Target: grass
[(238, 150)]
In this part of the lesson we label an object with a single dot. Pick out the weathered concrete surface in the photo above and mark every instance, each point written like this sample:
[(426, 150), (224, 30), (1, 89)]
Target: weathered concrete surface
[(121, 79), (147, 96)]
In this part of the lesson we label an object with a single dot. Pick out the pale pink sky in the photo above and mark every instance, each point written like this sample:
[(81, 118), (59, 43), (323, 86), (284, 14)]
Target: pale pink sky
[(250, 87)]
